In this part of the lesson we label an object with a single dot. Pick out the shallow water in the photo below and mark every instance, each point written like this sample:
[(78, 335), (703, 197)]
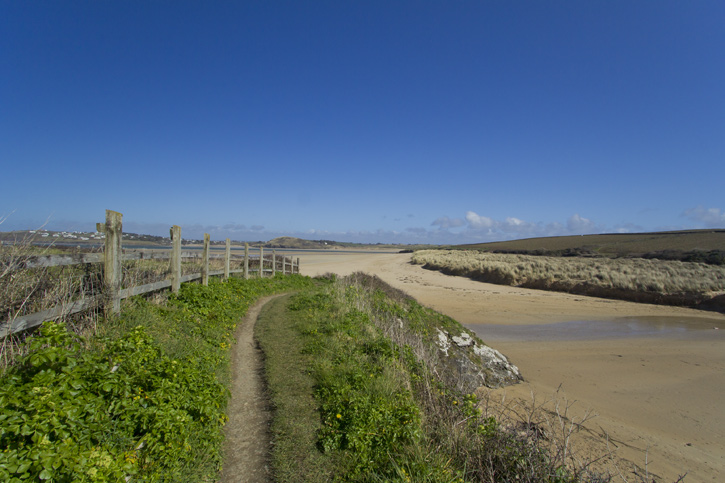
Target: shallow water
[(621, 328)]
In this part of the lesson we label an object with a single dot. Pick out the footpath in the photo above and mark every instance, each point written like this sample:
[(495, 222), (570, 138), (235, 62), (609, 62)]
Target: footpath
[(247, 431)]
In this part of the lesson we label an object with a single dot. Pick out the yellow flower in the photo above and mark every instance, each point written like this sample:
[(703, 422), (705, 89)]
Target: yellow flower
[(339, 416)]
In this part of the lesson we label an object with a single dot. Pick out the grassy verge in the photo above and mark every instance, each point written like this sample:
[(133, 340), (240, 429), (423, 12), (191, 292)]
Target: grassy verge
[(291, 388), (361, 393), (143, 400)]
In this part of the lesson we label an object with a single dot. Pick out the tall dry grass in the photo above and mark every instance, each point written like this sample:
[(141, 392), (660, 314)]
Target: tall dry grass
[(25, 291), (654, 280)]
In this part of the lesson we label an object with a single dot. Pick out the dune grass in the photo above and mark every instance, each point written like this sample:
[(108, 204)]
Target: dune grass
[(629, 278)]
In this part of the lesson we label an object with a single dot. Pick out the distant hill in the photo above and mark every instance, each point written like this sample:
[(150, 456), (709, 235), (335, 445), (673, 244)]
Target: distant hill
[(293, 242), (88, 240), (690, 245), (300, 243)]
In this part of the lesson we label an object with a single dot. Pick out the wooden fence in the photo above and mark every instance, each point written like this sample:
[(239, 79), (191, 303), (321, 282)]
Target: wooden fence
[(113, 256)]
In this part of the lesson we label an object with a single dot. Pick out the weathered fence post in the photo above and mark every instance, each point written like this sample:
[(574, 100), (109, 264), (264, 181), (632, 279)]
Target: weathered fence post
[(205, 261), (175, 233), (112, 270), (227, 256), (261, 262), (274, 262), (298, 265), (246, 261)]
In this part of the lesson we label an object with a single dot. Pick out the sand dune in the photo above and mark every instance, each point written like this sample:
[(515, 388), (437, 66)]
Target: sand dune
[(658, 396)]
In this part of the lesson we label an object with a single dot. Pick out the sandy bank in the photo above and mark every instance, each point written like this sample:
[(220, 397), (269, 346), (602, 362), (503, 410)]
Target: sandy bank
[(659, 398)]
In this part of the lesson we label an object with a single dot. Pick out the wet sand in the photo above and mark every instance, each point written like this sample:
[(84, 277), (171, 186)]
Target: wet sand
[(653, 375)]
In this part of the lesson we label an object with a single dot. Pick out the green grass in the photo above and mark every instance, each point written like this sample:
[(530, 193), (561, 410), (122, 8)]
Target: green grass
[(291, 387), (144, 399), (359, 394)]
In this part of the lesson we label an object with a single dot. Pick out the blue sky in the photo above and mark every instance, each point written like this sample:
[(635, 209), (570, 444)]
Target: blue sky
[(375, 121)]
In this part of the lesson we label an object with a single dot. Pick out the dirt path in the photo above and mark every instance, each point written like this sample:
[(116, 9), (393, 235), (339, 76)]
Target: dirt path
[(247, 431)]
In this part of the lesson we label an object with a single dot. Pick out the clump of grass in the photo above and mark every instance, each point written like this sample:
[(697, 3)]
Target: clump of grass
[(658, 281)]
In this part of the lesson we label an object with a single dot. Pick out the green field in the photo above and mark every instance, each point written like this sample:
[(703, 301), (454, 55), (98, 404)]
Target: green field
[(690, 245)]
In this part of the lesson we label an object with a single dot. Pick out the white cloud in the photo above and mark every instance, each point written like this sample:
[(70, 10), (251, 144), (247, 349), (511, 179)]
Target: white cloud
[(710, 217), (483, 228), (478, 222), (578, 225), (444, 222), (233, 227)]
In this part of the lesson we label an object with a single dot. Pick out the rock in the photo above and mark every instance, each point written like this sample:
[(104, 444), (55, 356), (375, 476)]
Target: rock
[(474, 363)]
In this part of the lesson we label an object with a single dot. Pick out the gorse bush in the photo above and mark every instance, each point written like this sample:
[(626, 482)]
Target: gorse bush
[(143, 400)]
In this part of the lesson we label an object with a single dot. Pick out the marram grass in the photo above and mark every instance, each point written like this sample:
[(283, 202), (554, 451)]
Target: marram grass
[(567, 273)]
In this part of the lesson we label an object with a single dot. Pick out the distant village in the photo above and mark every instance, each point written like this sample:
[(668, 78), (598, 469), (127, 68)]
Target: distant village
[(75, 235)]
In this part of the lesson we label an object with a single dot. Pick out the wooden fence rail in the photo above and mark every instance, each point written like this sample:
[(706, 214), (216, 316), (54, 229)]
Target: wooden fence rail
[(112, 259)]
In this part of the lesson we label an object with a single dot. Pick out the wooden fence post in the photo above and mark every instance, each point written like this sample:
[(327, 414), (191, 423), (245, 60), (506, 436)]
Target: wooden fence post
[(205, 261), (261, 262), (298, 265), (112, 270), (227, 256), (175, 233), (274, 262), (246, 261)]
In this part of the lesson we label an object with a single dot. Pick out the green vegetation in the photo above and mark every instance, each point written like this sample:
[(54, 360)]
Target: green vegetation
[(360, 394), (705, 246), (654, 281), (144, 398)]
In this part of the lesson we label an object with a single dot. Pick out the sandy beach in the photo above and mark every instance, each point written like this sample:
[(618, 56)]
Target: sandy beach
[(654, 376)]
